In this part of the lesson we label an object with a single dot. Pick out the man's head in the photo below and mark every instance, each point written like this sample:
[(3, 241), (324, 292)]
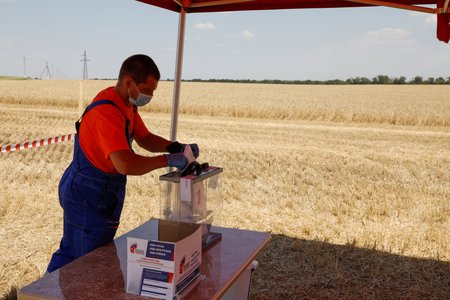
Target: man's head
[(138, 75), (139, 67)]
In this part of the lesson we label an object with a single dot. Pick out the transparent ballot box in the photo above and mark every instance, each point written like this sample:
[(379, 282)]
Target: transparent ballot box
[(194, 198)]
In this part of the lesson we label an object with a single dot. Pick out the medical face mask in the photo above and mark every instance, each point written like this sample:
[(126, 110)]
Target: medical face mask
[(142, 99)]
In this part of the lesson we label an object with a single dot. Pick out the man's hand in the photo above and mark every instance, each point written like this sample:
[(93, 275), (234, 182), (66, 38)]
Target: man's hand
[(194, 148), (177, 160)]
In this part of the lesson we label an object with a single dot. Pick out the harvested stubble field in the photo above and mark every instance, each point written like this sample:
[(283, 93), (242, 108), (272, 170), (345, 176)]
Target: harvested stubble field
[(353, 182)]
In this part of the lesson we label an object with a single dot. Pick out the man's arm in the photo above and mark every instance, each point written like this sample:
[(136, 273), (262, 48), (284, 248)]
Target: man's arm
[(129, 163), (153, 143)]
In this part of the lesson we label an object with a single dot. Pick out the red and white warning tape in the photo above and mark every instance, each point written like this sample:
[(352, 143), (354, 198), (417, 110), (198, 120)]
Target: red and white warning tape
[(37, 143)]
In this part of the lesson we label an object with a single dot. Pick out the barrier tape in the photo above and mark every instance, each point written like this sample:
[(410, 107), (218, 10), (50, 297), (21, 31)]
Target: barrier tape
[(37, 143)]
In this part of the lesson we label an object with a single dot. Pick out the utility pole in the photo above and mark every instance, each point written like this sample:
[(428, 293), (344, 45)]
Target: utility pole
[(47, 71), (83, 82), (24, 68), (85, 70)]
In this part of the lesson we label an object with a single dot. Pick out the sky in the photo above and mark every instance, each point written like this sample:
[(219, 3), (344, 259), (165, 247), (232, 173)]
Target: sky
[(316, 44)]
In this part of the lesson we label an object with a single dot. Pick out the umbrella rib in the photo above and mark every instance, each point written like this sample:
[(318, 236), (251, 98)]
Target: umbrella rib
[(178, 2), (218, 2), (396, 5)]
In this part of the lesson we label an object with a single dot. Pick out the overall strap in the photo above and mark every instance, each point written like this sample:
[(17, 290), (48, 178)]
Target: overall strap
[(101, 102)]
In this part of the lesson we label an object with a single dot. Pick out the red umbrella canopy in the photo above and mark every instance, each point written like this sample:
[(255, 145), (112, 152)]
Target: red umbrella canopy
[(197, 6), (193, 6)]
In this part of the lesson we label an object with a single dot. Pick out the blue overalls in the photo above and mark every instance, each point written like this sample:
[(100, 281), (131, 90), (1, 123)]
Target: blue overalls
[(92, 202)]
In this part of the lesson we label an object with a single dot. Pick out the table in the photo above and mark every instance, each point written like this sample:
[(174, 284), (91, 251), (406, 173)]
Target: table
[(101, 274)]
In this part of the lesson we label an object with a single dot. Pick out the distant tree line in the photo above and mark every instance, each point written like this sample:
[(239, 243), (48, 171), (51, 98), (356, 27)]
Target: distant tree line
[(379, 79)]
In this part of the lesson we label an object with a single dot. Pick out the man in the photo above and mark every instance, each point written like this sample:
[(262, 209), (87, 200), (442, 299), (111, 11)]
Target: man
[(92, 189)]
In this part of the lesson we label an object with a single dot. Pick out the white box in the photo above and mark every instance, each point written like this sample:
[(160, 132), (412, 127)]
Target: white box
[(166, 263)]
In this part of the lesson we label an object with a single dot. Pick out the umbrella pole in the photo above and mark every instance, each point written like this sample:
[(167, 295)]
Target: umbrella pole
[(177, 80)]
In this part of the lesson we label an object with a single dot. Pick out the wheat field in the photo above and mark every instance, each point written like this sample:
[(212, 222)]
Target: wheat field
[(352, 182)]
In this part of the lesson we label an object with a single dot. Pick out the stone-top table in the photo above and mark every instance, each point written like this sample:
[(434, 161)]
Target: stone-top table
[(101, 274)]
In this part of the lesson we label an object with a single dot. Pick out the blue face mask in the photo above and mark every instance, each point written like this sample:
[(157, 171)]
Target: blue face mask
[(142, 99)]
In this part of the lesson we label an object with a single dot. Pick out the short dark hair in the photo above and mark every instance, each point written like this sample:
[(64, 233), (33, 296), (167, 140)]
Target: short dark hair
[(139, 67)]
